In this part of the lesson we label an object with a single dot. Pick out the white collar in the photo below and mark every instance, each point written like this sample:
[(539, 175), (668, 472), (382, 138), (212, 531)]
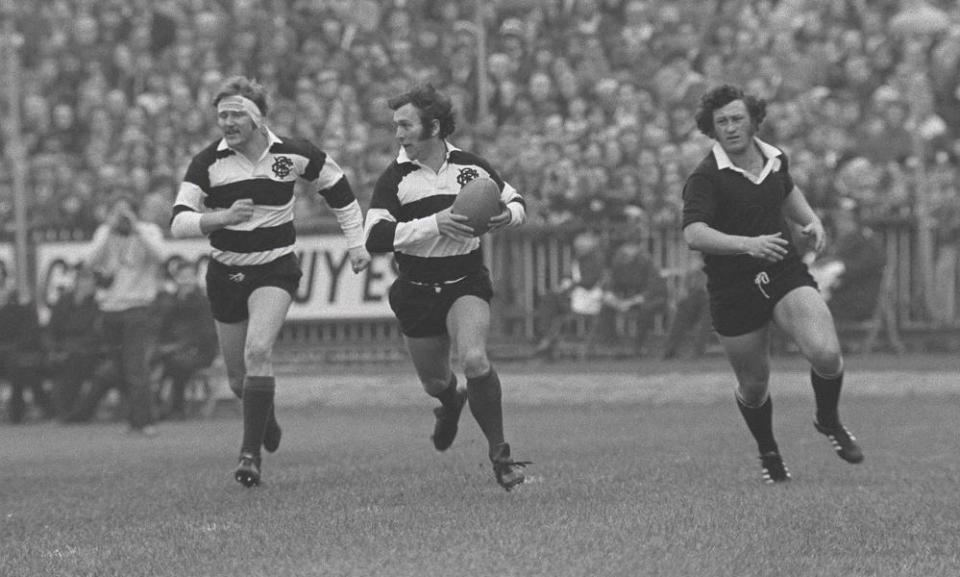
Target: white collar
[(770, 152), (271, 140), (403, 158)]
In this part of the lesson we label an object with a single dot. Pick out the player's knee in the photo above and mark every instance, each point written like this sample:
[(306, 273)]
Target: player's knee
[(826, 358), (828, 364), (752, 395), (257, 354), (475, 362)]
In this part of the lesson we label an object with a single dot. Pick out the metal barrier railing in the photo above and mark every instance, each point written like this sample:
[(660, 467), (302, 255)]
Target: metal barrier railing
[(529, 262)]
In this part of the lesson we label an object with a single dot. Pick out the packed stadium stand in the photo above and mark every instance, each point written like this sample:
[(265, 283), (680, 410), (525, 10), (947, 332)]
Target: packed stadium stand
[(587, 110), (589, 107)]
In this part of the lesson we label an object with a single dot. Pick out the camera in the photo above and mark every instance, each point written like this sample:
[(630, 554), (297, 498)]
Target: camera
[(102, 280), (123, 226)]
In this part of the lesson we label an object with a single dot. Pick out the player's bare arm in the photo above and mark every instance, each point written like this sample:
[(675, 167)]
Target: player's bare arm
[(798, 210), (701, 237)]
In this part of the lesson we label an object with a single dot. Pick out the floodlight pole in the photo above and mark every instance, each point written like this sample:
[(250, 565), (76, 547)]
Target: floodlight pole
[(483, 90), (10, 42)]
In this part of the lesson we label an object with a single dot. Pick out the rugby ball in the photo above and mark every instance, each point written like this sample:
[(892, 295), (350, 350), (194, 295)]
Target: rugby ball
[(479, 201)]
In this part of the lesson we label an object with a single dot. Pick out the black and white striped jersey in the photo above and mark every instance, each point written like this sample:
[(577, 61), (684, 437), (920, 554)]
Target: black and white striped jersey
[(218, 176), (401, 216)]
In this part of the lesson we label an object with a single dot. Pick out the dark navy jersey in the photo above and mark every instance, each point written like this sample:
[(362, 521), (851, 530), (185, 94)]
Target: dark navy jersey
[(731, 201), (218, 176), (400, 218)]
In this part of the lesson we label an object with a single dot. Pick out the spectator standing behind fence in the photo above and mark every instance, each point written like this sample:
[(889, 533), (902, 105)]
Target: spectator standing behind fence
[(239, 190), (442, 295), (187, 339), (692, 317), (737, 204), (581, 293), (74, 343), (126, 254), (635, 290), (851, 272), (21, 353)]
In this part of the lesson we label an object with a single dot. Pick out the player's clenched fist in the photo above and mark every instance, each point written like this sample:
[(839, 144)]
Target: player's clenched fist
[(239, 211), (359, 258)]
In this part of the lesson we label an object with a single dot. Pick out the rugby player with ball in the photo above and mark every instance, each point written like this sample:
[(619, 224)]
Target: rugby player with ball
[(429, 208)]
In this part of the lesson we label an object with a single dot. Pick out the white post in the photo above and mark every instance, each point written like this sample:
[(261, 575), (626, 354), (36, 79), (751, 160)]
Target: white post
[(483, 90), (16, 155)]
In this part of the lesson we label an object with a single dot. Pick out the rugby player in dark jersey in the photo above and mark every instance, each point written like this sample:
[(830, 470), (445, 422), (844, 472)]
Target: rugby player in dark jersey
[(442, 295), (740, 204), (239, 191)]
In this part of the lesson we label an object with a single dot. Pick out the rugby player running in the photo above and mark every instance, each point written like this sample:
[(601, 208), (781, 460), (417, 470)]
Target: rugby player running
[(739, 205), (239, 191), (442, 295)]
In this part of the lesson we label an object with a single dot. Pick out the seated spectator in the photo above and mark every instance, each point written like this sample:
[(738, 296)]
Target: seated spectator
[(74, 343), (692, 317), (21, 353), (851, 272), (636, 290), (187, 340), (579, 294)]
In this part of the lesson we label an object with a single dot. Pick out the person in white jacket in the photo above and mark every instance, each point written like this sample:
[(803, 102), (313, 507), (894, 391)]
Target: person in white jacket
[(126, 257)]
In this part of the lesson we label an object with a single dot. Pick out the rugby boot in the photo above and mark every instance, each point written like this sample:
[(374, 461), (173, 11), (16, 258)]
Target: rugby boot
[(509, 473), (844, 443), (248, 470), (774, 471), (448, 418)]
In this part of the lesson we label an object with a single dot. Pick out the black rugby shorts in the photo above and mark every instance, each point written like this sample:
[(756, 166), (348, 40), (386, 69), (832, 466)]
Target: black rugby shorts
[(747, 305), (229, 287), (422, 309)]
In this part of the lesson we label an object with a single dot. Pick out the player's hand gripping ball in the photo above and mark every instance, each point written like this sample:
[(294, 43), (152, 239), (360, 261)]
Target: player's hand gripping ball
[(479, 201)]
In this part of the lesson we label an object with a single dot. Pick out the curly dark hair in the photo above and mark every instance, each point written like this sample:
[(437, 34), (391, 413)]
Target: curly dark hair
[(720, 96), (431, 104)]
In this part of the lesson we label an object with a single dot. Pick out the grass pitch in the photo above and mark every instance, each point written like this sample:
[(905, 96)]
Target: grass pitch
[(666, 488)]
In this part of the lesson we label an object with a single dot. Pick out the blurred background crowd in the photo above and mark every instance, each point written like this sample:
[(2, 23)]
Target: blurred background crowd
[(589, 107)]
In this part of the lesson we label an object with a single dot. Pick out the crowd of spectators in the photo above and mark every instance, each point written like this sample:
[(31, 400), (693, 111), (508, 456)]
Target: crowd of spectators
[(589, 110)]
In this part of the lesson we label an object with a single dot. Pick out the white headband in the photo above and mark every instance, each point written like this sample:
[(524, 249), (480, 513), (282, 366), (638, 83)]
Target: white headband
[(239, 103)]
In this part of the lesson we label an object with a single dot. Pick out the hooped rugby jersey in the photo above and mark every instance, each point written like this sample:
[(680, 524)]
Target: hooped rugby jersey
[(218, 176), (401, 216)]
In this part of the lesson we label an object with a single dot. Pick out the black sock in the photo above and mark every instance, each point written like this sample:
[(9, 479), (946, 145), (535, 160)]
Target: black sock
[(760, 422), (448, 396), (272, 417), (484, 395), (827, 394), (257, 405)]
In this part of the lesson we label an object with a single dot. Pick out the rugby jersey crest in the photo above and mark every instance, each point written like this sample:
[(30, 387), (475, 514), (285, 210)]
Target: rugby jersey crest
[(218, 176)]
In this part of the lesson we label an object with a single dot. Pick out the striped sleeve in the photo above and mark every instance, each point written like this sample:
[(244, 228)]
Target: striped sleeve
[(327, 178), (381, 222), (193, 189)]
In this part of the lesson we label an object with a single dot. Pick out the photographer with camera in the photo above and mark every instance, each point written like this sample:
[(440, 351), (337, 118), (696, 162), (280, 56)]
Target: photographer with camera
[(126, 255)]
